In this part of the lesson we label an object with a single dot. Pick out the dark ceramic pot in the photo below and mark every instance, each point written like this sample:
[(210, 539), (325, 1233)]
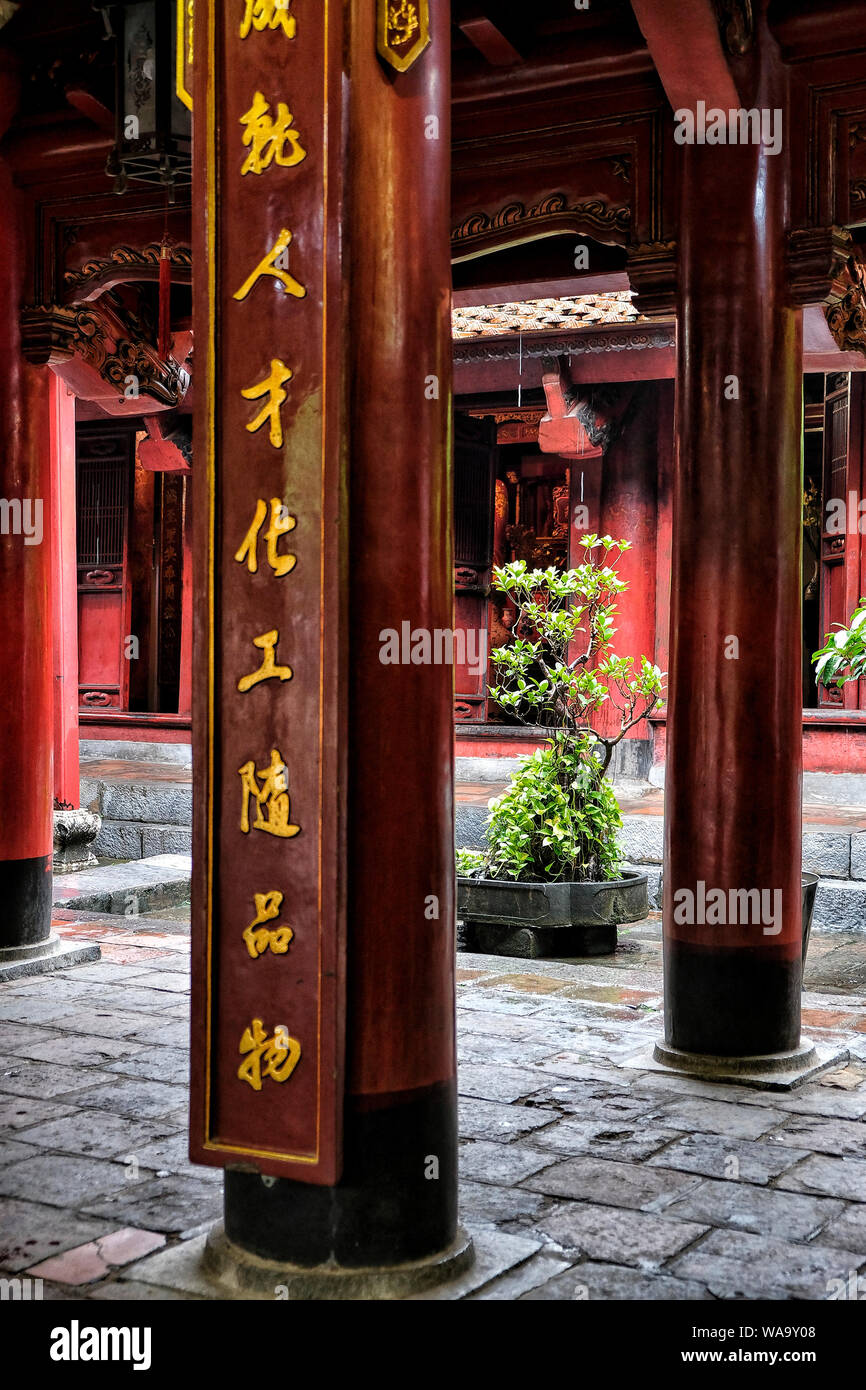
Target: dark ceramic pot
[(810, 888), (549, 919)]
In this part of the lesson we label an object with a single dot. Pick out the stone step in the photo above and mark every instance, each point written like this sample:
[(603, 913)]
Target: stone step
[(153, 800), (122, 839), (126, 889)]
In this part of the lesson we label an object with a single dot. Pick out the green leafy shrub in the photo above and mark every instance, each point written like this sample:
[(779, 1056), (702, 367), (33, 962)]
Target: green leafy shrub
[(559, 818), (843, 657), (469, 861)]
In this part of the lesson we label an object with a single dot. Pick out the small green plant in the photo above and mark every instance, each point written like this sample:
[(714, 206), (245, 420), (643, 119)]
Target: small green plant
[(469, 861), (559, 818), (843, 657)]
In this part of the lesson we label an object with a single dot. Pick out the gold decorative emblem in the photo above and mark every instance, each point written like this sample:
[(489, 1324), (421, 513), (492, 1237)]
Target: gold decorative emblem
[(403, 31)]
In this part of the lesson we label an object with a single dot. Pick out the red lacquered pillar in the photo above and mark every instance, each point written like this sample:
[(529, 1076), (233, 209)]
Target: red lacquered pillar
[(628, 513), (396, 1201), (64, 566), (26, 696), (733, 782)]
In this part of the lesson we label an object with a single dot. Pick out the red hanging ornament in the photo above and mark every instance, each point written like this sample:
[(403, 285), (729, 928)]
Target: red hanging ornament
[(163, 342)]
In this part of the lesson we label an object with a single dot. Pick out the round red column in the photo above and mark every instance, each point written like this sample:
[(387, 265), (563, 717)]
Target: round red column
[(733, 782), (397, 1199), (26, 697)]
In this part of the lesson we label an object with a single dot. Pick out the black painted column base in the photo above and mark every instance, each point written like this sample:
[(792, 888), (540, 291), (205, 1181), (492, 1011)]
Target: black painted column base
[(389, 1227), (771, 1071), (27, 944), (25, 901), (51, 954), (239, 1274)]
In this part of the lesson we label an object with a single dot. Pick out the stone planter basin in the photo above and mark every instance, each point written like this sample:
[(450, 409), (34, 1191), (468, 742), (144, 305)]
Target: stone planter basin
[(549, 919)]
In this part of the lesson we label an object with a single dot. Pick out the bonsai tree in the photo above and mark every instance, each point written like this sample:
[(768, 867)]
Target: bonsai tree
[(843, 657), (559, 818)]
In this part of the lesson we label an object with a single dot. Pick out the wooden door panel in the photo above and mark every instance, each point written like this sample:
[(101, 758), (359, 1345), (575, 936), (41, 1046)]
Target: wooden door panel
[(104, 462)]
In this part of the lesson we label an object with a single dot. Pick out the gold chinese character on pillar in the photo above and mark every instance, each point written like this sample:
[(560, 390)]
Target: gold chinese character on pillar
[(275, 1057), (260, 938), (269, 670), (273, 806), (270, 141), (282, 522), (276, 264), (403, 31), (268, 14), (272, 387)]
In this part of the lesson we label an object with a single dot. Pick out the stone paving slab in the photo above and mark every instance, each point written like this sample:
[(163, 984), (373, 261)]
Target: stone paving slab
[(832, 1177), (62, 1180), (593, 1282), (581, 1180), (847, 1230), (762, 1210), (736, 1264), (628, 1237), (602, 1180), (30, 1231), (738, 1160)]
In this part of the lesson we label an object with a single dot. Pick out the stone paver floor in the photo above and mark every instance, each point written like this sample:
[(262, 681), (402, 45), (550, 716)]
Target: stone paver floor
[(579, 1179)]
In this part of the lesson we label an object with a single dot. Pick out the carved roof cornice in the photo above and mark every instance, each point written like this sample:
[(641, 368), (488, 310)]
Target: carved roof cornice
[(637, 337), (485, 230), (125, 265)]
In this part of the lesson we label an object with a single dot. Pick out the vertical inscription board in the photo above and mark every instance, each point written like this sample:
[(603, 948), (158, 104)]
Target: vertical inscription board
[(268, 970)]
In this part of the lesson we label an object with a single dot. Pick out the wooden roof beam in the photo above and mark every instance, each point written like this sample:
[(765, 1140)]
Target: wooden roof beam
[(488, 37), (686, 48)]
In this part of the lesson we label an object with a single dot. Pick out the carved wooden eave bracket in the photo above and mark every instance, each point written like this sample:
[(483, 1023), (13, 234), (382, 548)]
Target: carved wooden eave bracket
[(125, 265), (580, 422), (517, 222), (103, 358), (652, 273), (827, 267)]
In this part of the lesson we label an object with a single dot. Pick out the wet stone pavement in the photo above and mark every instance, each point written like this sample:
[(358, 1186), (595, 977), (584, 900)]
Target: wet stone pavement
[(579, 1179)]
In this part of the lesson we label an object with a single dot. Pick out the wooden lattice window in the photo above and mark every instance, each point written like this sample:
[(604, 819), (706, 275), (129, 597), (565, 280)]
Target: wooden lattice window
[(102, 507)]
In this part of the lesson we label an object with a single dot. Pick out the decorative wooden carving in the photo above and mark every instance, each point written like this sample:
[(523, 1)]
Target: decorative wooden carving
[(621, 166), (104, 349), (518, 426), (825, 266), (629, 338), (124, 265), (846, 317), (528, 416), (99, 699), (652, 273), (817, 264), (594, 217)]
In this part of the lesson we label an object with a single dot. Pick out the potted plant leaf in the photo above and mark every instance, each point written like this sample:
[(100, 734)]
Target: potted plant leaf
[(551, 881)]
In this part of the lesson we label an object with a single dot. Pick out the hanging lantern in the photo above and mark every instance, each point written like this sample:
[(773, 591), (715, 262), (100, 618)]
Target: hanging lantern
[(153, 126)]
